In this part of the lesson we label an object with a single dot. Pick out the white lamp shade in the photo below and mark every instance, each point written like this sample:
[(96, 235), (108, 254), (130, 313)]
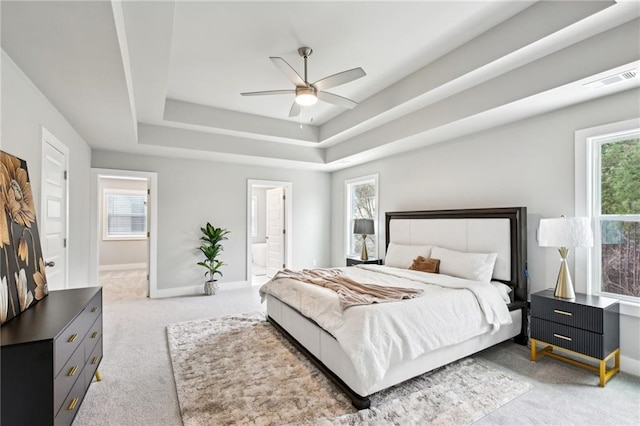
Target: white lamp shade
[(565, 232)]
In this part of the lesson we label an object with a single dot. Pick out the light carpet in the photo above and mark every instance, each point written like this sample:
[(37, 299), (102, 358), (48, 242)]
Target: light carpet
[(239, 370)]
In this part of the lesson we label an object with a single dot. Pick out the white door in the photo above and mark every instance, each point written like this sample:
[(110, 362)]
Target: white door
[(54, 211), (275, 230)]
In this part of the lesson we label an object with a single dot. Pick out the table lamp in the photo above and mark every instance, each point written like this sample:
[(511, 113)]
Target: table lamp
[(563, 233), (363, 227)]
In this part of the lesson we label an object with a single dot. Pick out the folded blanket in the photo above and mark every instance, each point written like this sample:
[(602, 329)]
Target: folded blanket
[(350, 292)]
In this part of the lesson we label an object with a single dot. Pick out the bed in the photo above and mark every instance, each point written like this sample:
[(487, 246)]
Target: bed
[(485, 309)]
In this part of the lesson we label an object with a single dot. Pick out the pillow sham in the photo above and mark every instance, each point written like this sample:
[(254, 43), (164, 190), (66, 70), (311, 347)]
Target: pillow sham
[(402, 255), (472, 266), (503, 289), (424, 264)]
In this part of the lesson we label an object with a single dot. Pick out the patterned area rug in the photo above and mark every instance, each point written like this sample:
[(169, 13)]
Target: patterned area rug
[(239, 370)]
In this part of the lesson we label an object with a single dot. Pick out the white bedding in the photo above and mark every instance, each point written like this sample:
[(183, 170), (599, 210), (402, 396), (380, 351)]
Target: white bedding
[(375, 337)]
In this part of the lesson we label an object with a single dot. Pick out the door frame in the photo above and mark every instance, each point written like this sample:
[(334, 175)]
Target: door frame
[(152, 226), (50, 139), (288, 219)]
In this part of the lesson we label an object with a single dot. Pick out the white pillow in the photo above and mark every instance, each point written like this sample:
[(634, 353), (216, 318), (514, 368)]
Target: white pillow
[(402, 255), (472, 266), (503, 289)]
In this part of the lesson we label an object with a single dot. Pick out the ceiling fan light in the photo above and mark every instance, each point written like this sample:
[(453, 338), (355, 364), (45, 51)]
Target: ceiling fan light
[(306, 96)]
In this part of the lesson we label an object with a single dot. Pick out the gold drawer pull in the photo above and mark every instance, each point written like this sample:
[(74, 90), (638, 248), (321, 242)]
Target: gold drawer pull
[(73, 338), (558, 311), (94, 309), (95, 360), (74, 401), (560, 336), (94, 334), (73, 370)]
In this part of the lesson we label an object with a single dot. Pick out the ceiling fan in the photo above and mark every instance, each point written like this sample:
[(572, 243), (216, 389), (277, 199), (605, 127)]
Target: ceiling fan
[(309, 93)]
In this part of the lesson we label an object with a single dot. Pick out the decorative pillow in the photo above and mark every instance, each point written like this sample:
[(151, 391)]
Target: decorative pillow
[(402, 255), (472, 266), (426, 265), (503, 289)]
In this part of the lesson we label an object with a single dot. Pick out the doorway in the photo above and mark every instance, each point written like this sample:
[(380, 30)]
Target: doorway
[(269, 225), (123, 233)]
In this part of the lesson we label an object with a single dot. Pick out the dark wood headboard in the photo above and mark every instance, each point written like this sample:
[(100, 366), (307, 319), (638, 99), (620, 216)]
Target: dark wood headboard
[(517, 217)]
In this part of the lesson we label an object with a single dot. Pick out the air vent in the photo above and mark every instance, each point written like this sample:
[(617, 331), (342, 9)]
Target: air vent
[(612, 79)]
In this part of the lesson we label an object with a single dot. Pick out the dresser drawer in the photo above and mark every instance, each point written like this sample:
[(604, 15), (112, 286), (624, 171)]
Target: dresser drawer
[(93, 310), (71, 403), (567, 313), (92, 363), (68, 341), (574, 339), (67, 378), (93, 336)]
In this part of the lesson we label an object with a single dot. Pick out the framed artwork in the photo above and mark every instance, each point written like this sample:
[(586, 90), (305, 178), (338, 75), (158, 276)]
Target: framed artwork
[(22, 274)]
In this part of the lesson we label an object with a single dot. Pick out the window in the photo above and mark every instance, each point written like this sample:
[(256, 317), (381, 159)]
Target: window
[(611, 156), (125, 215), (361, 203)]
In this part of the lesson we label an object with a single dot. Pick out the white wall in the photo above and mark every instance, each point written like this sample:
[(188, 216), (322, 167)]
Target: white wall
[(120, 252), (24, 111), (527, 163), (193, 192)]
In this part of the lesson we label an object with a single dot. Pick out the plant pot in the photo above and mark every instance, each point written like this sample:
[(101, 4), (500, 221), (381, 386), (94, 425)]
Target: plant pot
[(210, 287)]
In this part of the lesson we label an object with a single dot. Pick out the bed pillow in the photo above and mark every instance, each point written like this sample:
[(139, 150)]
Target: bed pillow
[(402, 255), (424, 264), (471, 266), (503, 289)]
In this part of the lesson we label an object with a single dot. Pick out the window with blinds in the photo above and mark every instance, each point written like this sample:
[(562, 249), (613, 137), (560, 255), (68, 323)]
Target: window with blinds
[(125, 215)]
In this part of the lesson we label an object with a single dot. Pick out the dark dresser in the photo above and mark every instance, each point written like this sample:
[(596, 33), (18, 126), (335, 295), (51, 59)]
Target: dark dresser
[(50, 354), (587, 326)]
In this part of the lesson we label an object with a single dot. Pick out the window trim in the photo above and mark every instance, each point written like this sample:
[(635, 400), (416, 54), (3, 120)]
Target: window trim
[(105, 234), (585, 196), (347, 210)]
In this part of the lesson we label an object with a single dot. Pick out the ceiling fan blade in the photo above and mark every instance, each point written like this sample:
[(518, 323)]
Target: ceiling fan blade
[(269, 92), (338, 79), (337, 100), (288, 70), (295, 110)]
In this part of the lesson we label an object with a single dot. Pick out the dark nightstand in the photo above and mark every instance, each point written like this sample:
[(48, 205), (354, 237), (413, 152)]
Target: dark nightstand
[(587, 326), (357, 261)]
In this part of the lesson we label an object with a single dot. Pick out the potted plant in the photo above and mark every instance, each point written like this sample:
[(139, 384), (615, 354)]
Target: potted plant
[(211, 247)]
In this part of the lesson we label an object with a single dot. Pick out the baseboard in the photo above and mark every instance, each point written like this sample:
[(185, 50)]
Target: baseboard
[(122, 267), (195, 289), (630, 365)]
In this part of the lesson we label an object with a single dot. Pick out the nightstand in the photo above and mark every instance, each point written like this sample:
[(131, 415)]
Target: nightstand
[(587, 326), (357, 261)]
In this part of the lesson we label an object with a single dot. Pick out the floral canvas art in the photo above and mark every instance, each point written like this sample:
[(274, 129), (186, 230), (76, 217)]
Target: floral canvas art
[(23, 278)]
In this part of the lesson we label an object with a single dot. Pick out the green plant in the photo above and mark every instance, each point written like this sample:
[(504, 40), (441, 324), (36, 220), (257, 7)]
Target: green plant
[(211, 247)]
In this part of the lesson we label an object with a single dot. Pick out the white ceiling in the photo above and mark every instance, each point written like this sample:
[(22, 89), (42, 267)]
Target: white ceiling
[(164, 77)]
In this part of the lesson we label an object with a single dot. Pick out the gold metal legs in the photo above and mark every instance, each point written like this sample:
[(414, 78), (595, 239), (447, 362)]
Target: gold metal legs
[(601, 369), (98, 376)]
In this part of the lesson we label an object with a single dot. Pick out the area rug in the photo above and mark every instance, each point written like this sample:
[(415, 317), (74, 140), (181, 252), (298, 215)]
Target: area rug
[(240, 370)]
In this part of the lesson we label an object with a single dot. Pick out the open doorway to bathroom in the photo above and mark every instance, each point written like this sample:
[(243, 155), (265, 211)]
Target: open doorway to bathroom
[(268, 229)]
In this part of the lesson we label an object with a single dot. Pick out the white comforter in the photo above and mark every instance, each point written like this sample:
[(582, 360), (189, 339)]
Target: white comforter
[(377, 336)]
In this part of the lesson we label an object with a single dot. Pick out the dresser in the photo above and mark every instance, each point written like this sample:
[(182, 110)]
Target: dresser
[(50, 354), (587, 327), (357, 261)]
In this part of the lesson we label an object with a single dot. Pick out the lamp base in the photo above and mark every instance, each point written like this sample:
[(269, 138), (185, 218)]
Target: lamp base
[(564, 285), (364, 255)]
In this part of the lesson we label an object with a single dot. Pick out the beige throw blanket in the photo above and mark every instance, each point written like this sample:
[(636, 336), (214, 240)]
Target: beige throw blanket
[(350, 292)]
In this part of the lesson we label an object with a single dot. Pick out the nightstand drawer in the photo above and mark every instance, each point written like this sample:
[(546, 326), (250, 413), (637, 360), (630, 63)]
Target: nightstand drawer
[(567, 313), (574, 339)]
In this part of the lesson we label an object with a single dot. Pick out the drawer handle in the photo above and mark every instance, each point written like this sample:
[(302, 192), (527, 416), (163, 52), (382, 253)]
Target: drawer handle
[(560, 336), (73, 338), (94, 309), (94, 334), (95, 360), (73, 403), (558, 311), (73, 370)]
